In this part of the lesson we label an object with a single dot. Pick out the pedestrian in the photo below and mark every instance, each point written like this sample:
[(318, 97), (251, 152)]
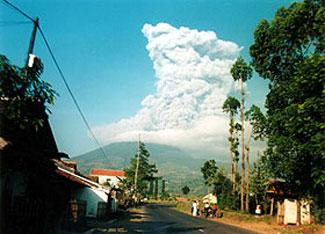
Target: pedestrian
[(214, 210), (194, 208), (206, 209), (198, 208)]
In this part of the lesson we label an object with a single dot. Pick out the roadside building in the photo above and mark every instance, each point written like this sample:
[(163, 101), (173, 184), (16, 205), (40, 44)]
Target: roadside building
[(290, 209), (88, 198), (113, 179), (108, 176)]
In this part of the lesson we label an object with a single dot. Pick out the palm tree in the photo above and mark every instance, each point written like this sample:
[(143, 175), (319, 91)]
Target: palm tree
[(242, 71)]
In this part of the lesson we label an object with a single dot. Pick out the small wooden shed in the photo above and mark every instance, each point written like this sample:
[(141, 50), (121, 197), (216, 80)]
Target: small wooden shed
[(290, 210)]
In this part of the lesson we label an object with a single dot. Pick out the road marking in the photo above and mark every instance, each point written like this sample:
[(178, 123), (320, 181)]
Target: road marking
[(201, 230)]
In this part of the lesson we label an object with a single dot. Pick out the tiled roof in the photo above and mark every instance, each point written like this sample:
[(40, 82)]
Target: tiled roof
[(106, 172), (79, 179)]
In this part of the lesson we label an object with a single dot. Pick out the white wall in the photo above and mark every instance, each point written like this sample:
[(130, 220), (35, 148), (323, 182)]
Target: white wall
[(113, 180), (92, 196)]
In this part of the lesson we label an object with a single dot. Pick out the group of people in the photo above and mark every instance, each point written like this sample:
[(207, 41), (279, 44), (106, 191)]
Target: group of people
[(207, 209)]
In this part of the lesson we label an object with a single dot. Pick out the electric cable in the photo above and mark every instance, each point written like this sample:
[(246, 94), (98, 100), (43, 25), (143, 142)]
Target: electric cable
[(20, 11), (61, 75), (11, 23), (69, 89)]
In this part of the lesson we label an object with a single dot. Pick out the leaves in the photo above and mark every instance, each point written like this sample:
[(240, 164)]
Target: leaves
[(231, 106), (24, 93), (258, 121), (241, 70), (146, 170), (289, 51)]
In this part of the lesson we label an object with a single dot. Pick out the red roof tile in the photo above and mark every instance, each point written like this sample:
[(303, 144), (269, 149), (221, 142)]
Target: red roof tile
[(106, 172)]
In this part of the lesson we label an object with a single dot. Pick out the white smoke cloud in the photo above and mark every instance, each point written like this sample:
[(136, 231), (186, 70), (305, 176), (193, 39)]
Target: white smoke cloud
[(193, 80)]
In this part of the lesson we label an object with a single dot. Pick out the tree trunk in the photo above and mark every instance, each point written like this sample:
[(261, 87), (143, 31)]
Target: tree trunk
[(232, 166), (247, 169), (247, 178), (242, 192), (156, 189), (272, 206), (232, 169)]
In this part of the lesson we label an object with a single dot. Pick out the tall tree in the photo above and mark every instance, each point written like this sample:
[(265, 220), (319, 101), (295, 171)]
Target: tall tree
[(209, 171), (241, 72), (146, 170), (231, 106), (289, 52), (221, 185)]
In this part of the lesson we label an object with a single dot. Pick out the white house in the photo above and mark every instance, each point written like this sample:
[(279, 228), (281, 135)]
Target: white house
[(89, 196), (112, 177)]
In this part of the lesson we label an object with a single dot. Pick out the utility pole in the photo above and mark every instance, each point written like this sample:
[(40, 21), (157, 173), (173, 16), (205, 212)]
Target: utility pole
[(137, 168), (32, 40)]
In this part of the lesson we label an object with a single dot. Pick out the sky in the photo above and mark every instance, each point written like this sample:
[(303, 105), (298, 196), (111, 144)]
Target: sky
[(159, 68)]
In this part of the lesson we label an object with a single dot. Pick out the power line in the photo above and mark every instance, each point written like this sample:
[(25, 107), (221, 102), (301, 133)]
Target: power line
[(61, 74), (11, 23), (17, 9), (69, 89)]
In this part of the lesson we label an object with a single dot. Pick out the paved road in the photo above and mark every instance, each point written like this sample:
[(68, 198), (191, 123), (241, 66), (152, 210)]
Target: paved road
[(161, 219)]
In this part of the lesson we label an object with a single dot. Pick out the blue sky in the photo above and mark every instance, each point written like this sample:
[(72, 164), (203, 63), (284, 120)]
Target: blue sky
[(102, 51)]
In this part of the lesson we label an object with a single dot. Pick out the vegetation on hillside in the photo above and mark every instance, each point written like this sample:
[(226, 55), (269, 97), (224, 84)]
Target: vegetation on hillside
[(175, 166)]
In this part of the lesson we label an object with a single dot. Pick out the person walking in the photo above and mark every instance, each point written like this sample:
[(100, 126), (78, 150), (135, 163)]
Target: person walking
[(206, 209), (214, 210), (194, 208)]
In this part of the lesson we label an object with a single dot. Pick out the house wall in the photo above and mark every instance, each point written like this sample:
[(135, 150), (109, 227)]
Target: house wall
[(92, 197), (290, 211), (113, 180)]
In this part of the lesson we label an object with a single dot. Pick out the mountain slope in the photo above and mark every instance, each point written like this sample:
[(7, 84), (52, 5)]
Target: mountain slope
[(176, 166)]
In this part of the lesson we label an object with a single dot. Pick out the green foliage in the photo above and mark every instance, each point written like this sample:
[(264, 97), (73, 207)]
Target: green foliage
[(165, 196), (163, 186), (289, 51), (231, 106), (258, 121), (209, 171), (221, 185), (259, 177), (186, 190), (156, 188), (241, 70), (24, 94), (176, 166), (294, 34), (146, 171), (151, 187)]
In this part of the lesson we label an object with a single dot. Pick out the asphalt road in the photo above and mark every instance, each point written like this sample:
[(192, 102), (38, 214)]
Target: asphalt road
[(161, 219)]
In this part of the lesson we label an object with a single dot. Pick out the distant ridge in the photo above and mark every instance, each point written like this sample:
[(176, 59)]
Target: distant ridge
[(175, 165)]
